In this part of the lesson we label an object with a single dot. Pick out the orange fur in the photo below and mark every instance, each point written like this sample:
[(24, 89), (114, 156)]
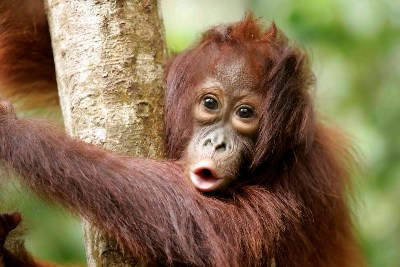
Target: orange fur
[(27, 68)]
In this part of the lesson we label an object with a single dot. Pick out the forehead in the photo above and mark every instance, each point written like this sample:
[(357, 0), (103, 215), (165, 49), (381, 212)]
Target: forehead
[(235, 73), (231, 78)]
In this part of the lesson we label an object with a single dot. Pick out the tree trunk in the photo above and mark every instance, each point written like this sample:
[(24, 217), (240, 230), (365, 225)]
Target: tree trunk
[(109, 59)]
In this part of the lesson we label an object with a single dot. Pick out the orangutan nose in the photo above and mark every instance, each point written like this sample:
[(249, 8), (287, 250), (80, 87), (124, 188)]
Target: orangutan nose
[(216, 141)]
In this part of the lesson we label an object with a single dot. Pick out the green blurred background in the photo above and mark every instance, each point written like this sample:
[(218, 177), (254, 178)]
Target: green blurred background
[(355, 50)]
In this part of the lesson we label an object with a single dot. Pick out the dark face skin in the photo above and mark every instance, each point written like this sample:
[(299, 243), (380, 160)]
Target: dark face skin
[(226, 115)]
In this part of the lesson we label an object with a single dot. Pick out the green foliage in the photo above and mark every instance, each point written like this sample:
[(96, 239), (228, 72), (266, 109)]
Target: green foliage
[(49, 232)]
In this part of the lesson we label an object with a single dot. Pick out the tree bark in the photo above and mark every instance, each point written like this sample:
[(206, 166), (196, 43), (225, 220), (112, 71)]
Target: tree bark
[(109, 59)]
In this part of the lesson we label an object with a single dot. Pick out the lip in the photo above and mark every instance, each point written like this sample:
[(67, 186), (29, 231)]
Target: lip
[(204, 176)]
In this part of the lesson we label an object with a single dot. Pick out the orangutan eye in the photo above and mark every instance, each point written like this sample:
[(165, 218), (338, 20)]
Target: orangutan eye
[(210, 103), (245, 112)]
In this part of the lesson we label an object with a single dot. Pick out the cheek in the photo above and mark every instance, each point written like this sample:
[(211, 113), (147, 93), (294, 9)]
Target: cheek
[(249, 129), (191, 153)]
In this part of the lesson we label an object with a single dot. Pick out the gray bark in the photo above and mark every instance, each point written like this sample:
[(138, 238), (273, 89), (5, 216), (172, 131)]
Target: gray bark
[(109, 59)]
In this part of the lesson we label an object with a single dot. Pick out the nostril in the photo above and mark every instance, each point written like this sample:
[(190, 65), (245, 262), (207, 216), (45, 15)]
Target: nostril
[(220, 147), (207, 142), (215, 144)]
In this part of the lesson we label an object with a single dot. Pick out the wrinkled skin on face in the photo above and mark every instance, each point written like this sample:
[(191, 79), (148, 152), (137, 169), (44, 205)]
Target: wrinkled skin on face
[(226, 116)]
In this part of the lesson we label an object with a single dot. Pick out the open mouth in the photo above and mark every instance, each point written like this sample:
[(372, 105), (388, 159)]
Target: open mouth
[(204, 177)]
